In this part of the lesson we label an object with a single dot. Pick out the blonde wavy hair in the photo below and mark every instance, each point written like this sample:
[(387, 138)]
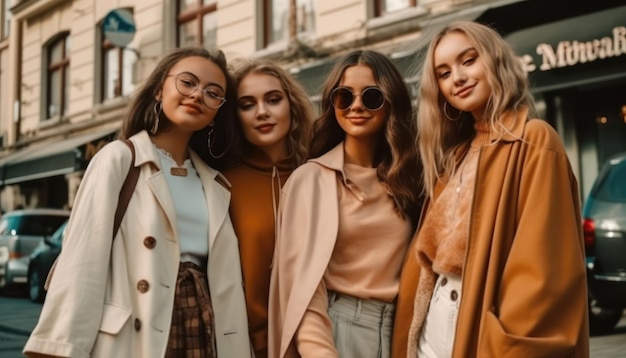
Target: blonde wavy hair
[(302, 112), (439, 138)]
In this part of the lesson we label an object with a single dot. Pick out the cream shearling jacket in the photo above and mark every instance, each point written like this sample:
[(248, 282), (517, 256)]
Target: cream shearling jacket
[(116, 301)]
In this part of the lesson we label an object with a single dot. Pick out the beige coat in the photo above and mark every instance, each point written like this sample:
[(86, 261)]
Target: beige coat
[(95, 308), (524, 287), (308, 222)]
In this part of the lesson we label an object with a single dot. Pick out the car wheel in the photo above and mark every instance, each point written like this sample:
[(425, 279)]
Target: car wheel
[(603, 319), (36, 292)]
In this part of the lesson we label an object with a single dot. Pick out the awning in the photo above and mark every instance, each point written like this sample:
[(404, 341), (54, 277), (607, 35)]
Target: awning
[(524, 14), (49, 159), (312, 76)]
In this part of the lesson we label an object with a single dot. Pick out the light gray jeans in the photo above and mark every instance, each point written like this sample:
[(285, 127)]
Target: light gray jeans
[(361, 328)]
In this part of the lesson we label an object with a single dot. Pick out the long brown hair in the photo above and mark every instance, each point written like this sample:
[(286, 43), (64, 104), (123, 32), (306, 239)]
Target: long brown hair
[(396, 155), (140, 115)]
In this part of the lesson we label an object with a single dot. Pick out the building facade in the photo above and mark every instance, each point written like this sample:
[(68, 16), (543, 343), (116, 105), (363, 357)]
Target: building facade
[(69, 67)]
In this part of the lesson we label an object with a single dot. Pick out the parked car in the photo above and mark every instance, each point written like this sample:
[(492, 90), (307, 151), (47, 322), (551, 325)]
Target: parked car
[(21, 231), (41, 260), (604, 227)]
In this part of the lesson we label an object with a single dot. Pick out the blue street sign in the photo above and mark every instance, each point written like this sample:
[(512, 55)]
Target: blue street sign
[(118, 27)]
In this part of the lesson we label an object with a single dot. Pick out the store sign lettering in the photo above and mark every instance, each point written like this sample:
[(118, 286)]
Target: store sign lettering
[(572, 53)]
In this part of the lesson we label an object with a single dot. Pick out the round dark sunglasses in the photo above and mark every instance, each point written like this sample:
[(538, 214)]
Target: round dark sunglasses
[(371, 97)]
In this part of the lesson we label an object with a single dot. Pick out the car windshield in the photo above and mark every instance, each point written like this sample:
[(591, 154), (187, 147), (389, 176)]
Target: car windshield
[(612, 187), (36, 225)]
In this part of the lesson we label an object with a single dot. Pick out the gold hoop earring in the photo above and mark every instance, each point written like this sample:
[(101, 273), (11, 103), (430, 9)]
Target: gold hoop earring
[(158, 107), (448, 116)]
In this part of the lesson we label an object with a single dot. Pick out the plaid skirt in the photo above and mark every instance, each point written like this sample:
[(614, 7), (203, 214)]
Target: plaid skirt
[(192, 334)]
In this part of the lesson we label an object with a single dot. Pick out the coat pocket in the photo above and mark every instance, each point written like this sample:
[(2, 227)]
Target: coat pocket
[(113, 318)]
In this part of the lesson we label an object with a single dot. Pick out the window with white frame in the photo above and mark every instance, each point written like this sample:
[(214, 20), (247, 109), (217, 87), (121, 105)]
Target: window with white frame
[(58, 76), (117, 71), (197, 23), (383, 7), (277, 13), (6, 18)]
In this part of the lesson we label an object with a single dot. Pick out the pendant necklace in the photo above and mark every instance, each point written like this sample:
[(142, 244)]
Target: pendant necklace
[(174, 170), (459, 185)]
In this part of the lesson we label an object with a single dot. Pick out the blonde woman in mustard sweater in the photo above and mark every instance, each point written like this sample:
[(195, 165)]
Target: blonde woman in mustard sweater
[(273, 127), (346, 218)]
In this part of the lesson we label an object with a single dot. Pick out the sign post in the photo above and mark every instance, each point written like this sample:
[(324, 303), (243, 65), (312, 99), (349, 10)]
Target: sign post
[(118, 27)]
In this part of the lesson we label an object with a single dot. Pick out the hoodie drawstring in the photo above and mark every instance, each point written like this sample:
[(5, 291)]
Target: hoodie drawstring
[(275, 199)]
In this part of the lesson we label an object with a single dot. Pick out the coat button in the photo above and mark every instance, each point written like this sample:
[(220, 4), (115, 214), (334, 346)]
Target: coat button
[(444, 281), (143, 286), (454, 295), (137, 324), (149, 242)]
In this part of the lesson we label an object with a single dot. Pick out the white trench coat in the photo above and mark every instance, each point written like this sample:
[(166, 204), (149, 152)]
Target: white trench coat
[(96, 306)]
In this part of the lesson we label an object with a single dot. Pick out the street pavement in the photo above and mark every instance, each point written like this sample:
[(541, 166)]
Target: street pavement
[(610, 345), (18, 316)]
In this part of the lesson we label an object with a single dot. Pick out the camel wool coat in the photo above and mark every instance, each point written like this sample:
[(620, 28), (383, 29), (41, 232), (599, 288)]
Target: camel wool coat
[(524, 286), (115, 299)]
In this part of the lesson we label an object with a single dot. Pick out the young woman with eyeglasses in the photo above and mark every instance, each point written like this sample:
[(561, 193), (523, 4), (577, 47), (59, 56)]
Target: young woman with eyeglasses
[(346, 218), (169, 283), (272, 135)]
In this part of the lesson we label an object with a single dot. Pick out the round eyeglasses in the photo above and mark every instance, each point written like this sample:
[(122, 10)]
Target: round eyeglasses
[(187, 84), (371, 97)]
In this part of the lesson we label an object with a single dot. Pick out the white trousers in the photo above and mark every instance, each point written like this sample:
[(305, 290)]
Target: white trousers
[(437, 336)]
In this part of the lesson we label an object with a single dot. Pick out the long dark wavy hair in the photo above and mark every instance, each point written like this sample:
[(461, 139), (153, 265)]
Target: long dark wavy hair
[(301, 110), (140, 115), (396, 157)]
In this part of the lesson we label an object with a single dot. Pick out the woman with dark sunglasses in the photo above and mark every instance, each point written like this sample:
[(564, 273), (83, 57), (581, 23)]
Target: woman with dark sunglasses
[(346, 218)]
